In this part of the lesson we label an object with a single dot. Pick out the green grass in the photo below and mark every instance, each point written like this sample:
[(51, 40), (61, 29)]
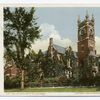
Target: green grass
[(65, 89)]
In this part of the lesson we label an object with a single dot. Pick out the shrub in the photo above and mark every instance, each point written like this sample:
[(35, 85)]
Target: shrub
[(97, 80), (11, 82), (64, 81)]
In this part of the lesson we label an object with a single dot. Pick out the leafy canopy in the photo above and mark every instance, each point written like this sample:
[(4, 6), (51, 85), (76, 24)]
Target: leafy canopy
[(20, 31)]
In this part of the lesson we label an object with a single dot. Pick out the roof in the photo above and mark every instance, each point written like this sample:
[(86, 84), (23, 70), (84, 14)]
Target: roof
[(59, 48), (63, 50)]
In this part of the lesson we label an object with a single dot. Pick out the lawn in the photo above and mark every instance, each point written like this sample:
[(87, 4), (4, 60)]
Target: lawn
[(64, 89)]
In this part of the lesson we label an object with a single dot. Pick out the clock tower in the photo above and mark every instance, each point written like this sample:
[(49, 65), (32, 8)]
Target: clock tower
[(86, 39)]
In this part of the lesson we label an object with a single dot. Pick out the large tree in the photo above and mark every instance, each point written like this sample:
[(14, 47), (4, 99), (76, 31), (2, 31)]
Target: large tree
[(20, 31)]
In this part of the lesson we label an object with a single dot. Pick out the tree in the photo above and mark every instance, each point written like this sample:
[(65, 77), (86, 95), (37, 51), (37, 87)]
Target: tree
[(20, 31), (32, 65)]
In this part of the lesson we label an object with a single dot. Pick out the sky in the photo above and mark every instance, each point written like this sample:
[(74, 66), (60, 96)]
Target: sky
[(60, 23)]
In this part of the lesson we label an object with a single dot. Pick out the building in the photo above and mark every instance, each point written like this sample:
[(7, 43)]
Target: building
[(11, 70), (86, 53), (88, 60), (56, 51), (86, 39), (63, 56)]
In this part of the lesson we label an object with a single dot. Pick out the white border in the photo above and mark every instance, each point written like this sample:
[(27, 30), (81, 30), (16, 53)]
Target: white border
[(49, 1), (1, 52)]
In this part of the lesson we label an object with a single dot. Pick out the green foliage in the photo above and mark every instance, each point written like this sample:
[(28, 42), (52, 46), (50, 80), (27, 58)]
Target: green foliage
[(63, 81), (31, 66), (20, 31), (47, 82), (52, 71), (97, 80), (52, 82), (12, 82), (86, 77)]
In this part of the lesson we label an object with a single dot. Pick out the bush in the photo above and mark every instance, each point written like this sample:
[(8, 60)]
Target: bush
[(46, 82), (97, 80), (75, 82), (11, 82), (51, 82), (34, 84), (63, 81)]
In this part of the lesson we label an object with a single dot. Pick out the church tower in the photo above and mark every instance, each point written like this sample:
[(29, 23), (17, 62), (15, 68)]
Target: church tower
[(86, 38)]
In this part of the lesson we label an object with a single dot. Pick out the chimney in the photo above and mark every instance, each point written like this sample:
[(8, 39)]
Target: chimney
[(51, 42)]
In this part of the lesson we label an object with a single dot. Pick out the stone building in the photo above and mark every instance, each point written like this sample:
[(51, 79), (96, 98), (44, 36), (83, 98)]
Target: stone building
[(56, 51), (87, 56), (63, 55), (11, 70), (86, 39), (86, 53)]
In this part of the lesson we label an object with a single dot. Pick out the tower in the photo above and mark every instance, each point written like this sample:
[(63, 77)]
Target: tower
[(86, 38)]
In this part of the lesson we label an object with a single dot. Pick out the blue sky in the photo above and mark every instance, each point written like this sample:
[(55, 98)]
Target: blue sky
[(65, 18), (61, 24)]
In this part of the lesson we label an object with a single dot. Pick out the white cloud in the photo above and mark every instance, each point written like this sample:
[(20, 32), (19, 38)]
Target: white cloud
[(48, 31), (40, 44)]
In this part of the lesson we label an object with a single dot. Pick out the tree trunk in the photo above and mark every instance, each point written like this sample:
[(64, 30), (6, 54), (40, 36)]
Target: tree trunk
[(22, 79)]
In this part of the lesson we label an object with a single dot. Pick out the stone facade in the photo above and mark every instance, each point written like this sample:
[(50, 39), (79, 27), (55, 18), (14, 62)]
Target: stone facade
[(55, 51), (11, 70), (63, 56), (88, 60), (86, 39)]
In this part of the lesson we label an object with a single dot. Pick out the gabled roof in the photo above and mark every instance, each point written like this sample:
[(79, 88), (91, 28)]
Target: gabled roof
[(59, 49), (62, 50)]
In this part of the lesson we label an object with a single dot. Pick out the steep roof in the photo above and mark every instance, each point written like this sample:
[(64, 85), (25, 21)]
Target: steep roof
[(59, 48), (62, 50)]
